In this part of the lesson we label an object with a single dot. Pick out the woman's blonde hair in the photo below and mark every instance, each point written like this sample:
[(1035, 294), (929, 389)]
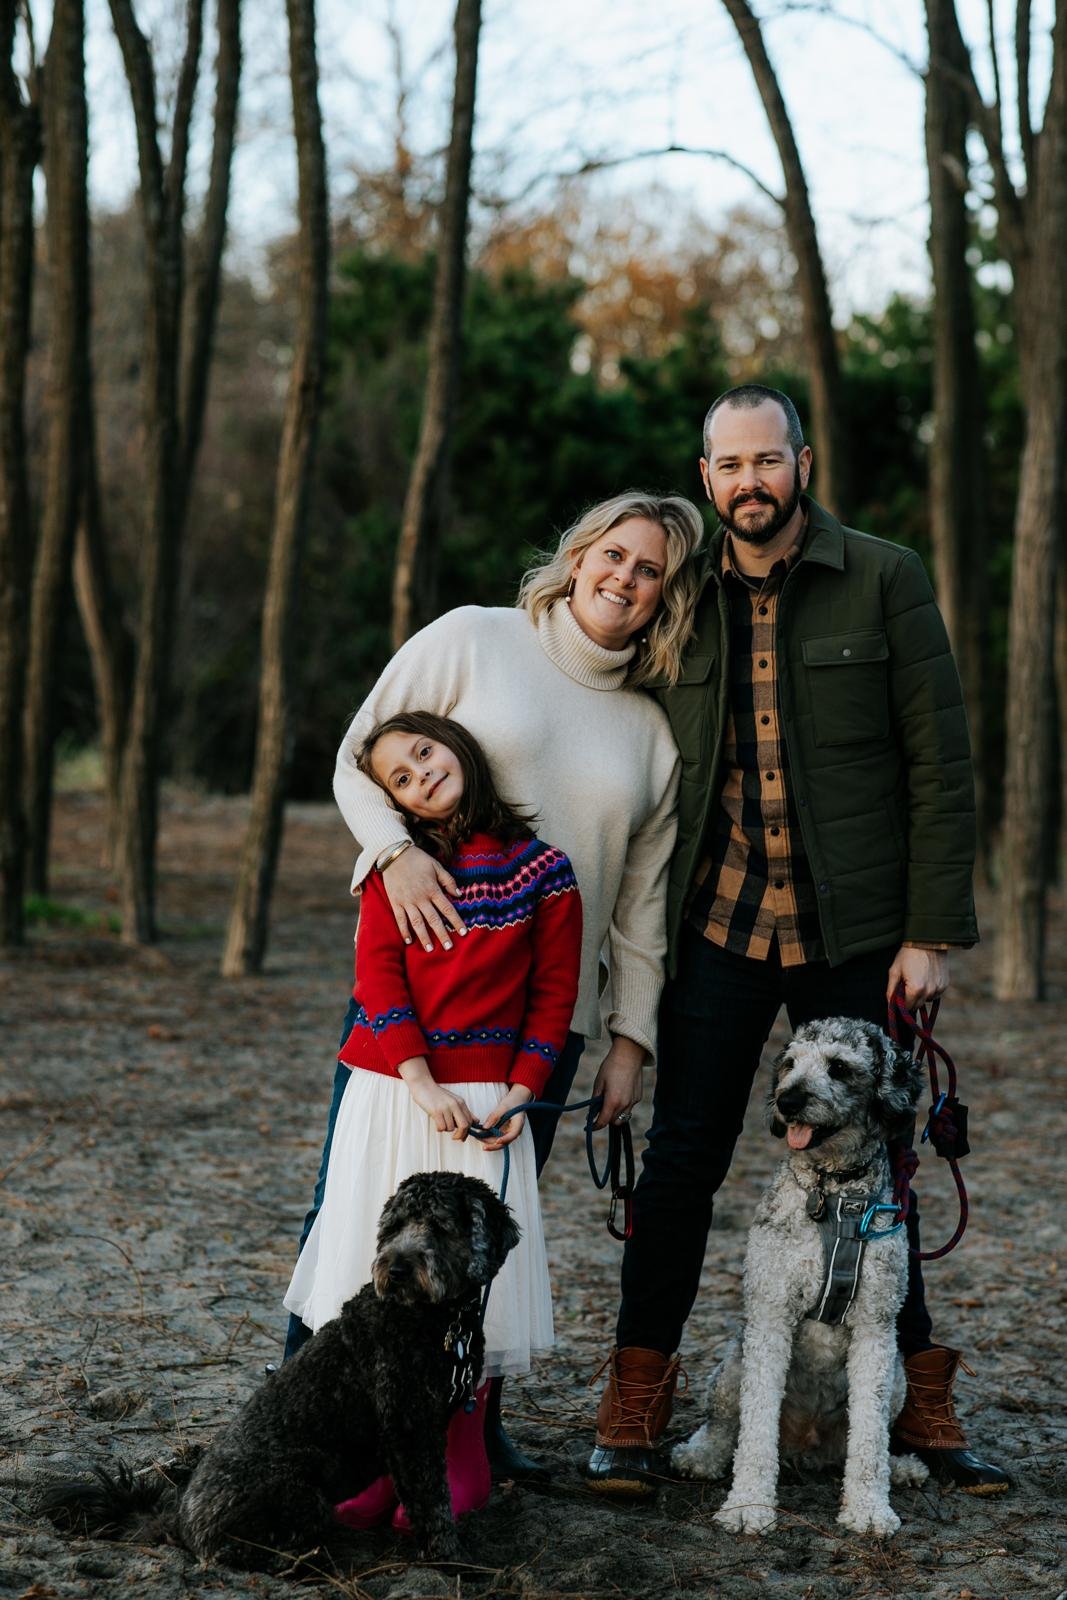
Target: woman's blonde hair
[(659, 649)]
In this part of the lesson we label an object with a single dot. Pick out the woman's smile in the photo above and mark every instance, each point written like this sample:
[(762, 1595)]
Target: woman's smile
[(618, 582)]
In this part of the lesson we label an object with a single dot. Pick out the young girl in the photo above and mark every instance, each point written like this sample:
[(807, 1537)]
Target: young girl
[(447, 1037)]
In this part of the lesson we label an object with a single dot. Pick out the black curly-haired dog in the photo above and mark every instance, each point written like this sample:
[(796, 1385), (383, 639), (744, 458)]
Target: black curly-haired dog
[(371, 1393)]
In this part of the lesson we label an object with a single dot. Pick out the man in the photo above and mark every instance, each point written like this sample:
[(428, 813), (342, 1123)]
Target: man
[(824, 859)]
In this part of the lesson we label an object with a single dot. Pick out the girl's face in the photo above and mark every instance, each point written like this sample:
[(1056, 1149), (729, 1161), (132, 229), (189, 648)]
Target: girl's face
[(422, 775), (618, 582)]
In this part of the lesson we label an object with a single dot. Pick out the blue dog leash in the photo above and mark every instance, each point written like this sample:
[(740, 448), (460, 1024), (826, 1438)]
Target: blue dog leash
[(620, 1154)]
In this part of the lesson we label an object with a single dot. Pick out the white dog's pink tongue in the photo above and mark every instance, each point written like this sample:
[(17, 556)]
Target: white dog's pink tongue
[(798, 1135)]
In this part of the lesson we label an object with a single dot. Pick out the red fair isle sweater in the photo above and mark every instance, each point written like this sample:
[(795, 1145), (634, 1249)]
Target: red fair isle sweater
[(495, 1008)]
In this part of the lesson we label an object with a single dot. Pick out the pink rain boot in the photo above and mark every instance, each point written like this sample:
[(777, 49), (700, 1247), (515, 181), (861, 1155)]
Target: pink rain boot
[(368, 1509), (469, 1478)]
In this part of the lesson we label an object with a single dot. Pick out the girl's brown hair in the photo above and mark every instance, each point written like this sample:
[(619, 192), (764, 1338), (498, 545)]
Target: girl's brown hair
[(481, 808)]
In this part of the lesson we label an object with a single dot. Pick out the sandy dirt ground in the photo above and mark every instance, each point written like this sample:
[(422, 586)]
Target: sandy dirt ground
[(160, 1134)]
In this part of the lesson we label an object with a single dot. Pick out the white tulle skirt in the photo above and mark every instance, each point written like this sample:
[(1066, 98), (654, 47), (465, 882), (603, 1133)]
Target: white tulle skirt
[(381, 1138)]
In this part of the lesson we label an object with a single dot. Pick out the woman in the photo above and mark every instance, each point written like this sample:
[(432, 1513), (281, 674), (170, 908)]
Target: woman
[(548, 688)]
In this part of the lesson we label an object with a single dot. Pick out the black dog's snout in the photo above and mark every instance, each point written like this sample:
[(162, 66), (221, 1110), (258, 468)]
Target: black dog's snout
[(791, 1102), (399, 1270)]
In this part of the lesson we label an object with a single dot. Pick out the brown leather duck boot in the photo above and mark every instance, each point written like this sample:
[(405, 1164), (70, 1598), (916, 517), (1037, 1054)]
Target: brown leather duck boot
[(929, 1427), (632, 1417)]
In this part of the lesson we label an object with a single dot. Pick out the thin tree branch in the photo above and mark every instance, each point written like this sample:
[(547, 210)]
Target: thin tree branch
[(142, 80), (183, 116), (1022, 75), (604, 163), (821, 8), (198, 322), (994, 60)]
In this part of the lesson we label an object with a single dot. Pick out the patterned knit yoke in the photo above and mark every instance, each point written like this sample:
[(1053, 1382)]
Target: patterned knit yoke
[(497, 1007)]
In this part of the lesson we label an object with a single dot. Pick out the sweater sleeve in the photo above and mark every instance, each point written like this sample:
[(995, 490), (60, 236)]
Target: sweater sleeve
[(931, 729), (426, 674), (637, 936), (552, 986), (381, 979)]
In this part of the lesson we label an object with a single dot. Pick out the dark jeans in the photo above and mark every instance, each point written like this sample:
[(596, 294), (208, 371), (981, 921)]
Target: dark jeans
[(542, 1130), (716, 1016)]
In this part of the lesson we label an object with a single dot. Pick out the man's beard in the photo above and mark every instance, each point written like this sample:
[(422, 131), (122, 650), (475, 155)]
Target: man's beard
[(761, 533)]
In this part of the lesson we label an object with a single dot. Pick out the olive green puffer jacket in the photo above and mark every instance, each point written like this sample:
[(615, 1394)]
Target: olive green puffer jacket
[(876, 733)]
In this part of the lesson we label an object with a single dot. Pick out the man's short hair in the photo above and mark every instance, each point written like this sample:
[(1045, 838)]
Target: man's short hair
[(746, 397)]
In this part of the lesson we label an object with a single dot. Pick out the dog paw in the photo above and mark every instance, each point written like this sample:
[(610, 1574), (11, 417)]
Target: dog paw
[(702, 1456), (746, 1517), (444, 1546), (881, 1521), (907, 1472)]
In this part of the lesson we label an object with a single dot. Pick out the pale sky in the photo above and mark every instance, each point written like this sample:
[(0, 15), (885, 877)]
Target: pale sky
[(564, 80)]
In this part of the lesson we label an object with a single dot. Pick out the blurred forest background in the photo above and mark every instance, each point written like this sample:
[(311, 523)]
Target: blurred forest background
[(228, 490)]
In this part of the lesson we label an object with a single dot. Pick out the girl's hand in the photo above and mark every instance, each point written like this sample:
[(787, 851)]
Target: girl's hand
[(620, 1080), (418, 888), (517, 1095), (446, 1111)]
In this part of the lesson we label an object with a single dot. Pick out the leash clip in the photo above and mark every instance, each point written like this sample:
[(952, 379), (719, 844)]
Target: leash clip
[(620, 1144), (867, 1230)]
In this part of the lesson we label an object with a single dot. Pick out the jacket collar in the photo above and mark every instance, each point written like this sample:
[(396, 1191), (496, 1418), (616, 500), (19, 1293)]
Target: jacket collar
[(825, 542)]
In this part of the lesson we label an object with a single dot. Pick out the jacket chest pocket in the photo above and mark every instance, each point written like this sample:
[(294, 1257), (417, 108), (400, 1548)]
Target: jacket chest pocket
[(847, 676)]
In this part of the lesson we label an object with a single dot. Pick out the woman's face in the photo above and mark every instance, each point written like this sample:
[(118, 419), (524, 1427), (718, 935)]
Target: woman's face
[(618, 582), (422, 775)]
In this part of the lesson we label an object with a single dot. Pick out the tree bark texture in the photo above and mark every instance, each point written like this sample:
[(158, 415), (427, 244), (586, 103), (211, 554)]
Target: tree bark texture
[(957, 488), (18, 157), (246, 935), (1060, 729), (414, 580), (828, 424), (66, 162), (175, 388), (1039, 509)]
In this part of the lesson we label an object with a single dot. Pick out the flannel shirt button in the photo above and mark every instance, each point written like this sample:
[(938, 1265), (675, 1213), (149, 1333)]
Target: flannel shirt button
[(763, 611), (778, 884), (765, 720), (770, 777), (763, 663), (775, 832)]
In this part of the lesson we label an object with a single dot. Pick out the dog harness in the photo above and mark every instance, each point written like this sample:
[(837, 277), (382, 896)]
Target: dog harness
[(845, 1226)]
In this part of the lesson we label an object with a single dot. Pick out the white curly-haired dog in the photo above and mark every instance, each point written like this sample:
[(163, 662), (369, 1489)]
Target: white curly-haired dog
[(819, 1390)]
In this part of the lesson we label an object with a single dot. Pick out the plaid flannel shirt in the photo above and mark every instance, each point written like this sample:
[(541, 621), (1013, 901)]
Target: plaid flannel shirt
[(754, 884)]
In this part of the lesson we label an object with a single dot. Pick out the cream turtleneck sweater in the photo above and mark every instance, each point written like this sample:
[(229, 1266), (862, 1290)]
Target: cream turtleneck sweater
[(593, 760)]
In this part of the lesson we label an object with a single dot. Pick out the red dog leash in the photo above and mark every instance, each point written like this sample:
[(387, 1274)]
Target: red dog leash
[(946, 1126)]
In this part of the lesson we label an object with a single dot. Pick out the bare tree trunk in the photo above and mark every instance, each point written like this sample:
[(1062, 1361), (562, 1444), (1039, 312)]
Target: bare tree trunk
[(106, 635), (18, 157), (414, 579), (172, 425), (246, 935), (1018, 969), (957, 489), (1060, 655), (66, 158), (829, 432)]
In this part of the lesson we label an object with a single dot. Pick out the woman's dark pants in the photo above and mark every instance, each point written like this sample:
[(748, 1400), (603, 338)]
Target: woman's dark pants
[(716, 1016), (542, 1129)]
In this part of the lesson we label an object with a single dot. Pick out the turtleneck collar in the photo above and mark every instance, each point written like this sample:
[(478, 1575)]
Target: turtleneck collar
[(580, 657)]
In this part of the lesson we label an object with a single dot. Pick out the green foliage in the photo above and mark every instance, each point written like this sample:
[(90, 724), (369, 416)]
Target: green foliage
[(538, 437), (38, 908)]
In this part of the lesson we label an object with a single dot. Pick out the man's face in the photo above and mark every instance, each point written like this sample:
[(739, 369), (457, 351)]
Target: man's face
[(750, 472)]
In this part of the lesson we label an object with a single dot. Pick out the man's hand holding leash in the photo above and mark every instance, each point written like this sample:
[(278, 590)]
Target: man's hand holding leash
[(923, 975)]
